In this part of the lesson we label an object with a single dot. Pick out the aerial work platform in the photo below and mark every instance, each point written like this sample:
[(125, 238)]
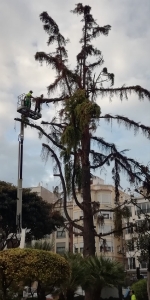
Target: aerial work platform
[(24, 110)]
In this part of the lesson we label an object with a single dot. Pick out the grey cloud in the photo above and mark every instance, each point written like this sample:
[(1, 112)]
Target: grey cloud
[(126, 53)]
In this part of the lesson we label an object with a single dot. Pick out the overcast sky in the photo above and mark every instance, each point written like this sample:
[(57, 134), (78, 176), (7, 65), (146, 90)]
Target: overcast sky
[(126, 53)]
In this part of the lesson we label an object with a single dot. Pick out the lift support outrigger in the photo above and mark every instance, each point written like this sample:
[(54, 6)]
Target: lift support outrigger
[(18, 239)]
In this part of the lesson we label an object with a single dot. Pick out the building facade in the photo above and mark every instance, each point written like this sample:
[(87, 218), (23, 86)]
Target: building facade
[(113, 247), (44, 193), (119, 249), (138, 212)]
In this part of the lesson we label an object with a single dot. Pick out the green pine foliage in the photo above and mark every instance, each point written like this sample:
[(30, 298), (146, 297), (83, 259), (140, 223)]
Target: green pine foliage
[(79, 113)]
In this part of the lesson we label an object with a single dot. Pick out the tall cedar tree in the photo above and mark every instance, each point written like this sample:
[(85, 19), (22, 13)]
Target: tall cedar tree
[(71, 132)]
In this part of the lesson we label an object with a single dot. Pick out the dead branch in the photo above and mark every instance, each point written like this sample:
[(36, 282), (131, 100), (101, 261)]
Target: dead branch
[(63, 186), (128, 123)]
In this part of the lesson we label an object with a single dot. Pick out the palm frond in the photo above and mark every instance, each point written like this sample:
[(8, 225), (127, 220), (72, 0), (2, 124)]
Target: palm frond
[(102, 271), (42, 245)]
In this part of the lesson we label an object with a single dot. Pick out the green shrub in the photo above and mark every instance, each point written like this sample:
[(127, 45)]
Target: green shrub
[(140, 289)]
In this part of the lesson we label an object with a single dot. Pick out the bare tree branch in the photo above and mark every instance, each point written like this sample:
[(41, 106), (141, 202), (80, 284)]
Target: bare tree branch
[(63, 186), (128, 123), (73, 185), (123, 91), (114, 231), (102, 162), (40, 129), (54, 124)]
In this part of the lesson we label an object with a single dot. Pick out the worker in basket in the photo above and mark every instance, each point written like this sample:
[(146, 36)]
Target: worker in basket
[(27, 99), (38, 102)]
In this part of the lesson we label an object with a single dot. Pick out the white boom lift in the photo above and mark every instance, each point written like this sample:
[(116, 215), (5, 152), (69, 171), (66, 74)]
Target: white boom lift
[(18, 239)]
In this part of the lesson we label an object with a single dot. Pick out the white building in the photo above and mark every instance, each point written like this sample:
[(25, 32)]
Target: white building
[(132, 253), (44, 193), (103, 194)]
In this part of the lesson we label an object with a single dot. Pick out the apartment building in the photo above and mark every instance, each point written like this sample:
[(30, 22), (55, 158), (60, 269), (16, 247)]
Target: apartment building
[(63, 240), (132, 253), (44, 193), (104, 194)]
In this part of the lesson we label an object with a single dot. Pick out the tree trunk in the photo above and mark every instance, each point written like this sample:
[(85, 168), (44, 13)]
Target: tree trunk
[(71, 238), (88, 225), (70, 295), (120, 292), (61, 296), (4, 295), (93, 294), (40, 292), (4, 287)]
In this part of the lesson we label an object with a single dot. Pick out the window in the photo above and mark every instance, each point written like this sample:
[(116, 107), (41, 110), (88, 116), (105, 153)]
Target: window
[(81, 247), (47, 236), (119, 249), (109, 247), (76, 248), (106, 247), (143, 265), (139, 225), (81, 213), (61, 233), (62, 214), (142, 225), (130, 229), (131, 262), (106, 228), (130, 245), (130, 209), (106, 215), (143, 208), (105, 198), (148, 207), (60, 247), (76, 230), (76, 215)]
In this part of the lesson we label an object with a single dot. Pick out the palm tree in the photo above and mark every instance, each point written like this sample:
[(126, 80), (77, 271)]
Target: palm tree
[(101, 272), (47, 246), (76, 279), (42, 245)]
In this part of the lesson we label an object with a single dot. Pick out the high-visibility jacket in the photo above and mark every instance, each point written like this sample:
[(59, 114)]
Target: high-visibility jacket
[(29, 95), (133, 297)]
